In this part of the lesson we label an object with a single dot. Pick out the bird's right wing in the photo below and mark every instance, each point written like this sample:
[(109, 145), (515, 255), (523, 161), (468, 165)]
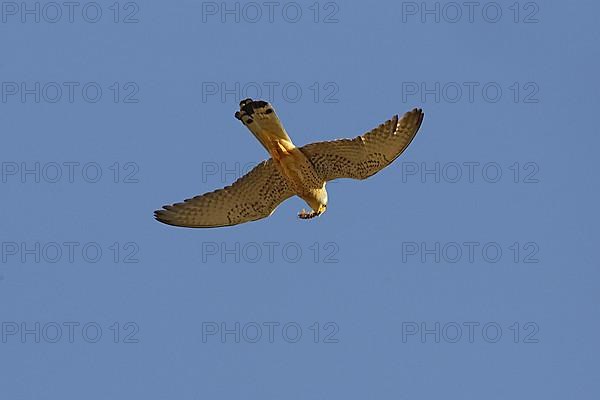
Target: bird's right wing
[(253, 196), (364, 155)]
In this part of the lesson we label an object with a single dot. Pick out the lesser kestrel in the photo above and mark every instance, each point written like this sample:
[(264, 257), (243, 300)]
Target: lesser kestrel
[(300, 171)]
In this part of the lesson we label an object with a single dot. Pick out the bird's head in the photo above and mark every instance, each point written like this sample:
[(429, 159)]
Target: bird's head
[(319, 203)]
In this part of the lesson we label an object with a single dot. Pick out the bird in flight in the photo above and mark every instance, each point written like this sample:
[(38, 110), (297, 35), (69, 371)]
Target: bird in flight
[(292, 171)]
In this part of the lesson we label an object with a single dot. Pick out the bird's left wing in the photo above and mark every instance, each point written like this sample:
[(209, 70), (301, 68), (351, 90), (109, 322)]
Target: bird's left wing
[(252, 197), (364, 155)]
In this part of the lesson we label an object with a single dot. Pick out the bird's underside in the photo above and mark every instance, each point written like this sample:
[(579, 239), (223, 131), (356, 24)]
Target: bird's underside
[(301, 171)]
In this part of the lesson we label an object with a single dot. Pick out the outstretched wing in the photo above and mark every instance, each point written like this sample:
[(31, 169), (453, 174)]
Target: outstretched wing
[(262, 120), (364, 155), (253, 196)]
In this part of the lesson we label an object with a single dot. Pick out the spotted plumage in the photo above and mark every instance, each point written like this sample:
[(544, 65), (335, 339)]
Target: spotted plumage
[(301, 171)]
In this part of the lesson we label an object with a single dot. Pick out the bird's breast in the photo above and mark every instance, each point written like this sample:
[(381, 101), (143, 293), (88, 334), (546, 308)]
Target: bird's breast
[(299, 171)]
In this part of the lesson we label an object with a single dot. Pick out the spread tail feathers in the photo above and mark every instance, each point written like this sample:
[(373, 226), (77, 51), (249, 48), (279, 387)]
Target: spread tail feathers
[(260, 118)]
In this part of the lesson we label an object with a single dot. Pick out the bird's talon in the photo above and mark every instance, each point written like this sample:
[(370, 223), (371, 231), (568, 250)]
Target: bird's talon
[(307, 215)]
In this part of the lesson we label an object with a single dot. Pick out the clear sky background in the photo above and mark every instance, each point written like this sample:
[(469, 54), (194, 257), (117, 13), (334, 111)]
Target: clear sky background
[(467, 269)]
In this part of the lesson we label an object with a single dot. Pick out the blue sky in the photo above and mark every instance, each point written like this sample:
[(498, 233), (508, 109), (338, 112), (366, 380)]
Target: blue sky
[(466, 269)]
